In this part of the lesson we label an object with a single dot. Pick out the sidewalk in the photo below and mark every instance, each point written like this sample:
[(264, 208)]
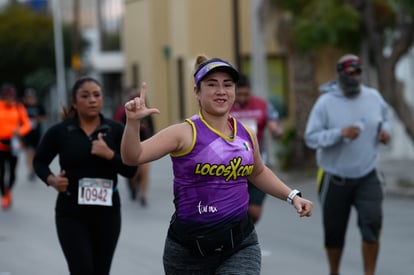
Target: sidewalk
[(399, 176)]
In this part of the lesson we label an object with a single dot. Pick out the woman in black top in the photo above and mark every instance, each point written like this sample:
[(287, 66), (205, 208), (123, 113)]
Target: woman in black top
[(88, 215)]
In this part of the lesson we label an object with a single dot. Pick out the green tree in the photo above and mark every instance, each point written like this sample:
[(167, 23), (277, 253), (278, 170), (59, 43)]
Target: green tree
[(381, 30), (27, 48)]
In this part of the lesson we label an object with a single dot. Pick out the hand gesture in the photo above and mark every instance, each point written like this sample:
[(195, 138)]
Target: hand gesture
[(303, 206), (100, 148), (136, 109)]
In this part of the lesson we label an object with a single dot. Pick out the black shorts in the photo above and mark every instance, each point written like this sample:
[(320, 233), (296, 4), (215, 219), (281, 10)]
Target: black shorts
[(338, 195)]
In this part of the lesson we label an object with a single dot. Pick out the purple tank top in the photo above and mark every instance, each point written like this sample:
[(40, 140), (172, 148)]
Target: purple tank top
[(210, 182)]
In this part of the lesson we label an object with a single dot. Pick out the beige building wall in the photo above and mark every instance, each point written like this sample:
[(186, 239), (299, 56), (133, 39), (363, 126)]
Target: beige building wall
[(144, 26), (185, 27), (163, 37)]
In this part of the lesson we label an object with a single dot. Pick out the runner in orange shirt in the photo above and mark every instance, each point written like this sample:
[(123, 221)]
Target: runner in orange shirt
[(14, 123)]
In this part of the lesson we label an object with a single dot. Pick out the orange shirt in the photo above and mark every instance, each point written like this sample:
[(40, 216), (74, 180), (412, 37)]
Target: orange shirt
[(13, 119)]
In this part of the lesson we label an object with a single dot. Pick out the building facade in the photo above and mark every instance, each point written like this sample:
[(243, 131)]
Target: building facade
[(161, 39)]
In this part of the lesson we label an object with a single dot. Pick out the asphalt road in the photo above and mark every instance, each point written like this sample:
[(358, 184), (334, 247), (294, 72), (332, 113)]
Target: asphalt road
[(290, 245)]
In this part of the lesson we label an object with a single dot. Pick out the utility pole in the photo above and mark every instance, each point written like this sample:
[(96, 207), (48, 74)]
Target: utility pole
[(76, 60), (236, 34), (258, 54), (60, 64)]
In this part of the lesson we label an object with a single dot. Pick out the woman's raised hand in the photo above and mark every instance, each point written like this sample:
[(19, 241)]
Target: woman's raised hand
[(136, 108)]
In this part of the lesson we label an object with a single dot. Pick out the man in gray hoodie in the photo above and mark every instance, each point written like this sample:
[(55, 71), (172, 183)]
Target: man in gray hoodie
[(345, 125)]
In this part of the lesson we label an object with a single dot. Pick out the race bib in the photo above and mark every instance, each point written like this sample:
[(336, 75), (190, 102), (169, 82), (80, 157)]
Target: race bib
[(94, 191)]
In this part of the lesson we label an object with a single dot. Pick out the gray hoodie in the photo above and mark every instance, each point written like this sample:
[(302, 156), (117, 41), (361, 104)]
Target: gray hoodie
[(333, 111)]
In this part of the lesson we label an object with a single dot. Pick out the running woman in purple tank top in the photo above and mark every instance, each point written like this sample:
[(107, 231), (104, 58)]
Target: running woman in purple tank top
[(213, 156)]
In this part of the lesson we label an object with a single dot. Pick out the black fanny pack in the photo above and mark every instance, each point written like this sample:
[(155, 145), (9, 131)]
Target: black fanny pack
[(215, 243)]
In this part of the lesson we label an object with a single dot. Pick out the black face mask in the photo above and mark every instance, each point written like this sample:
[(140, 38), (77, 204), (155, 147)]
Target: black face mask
[(350, 85)]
